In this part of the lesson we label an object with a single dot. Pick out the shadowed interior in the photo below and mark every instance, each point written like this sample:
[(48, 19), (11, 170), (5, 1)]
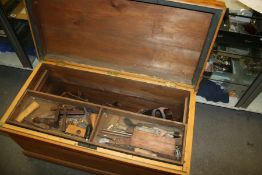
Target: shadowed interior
[(111, 91)]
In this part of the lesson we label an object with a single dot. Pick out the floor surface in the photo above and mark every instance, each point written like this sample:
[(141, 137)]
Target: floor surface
[(226, 142)]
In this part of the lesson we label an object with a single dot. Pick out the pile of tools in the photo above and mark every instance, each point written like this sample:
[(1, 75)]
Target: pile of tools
[(142, 138), (161, 112), (114, 131), (73, 120)]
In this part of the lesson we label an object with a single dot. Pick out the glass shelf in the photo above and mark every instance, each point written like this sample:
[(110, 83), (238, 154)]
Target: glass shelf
[(238, 71)]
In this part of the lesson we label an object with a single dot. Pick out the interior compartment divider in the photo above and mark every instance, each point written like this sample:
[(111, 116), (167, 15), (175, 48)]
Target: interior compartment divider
[(185, 114), (96, 124), (40, 83), (66, 100)]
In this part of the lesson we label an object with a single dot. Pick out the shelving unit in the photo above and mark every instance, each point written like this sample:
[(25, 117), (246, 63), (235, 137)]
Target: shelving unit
[(236, 60), (15, 35)]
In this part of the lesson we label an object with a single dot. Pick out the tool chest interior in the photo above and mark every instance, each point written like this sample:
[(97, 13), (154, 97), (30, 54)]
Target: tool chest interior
[(107, 112), (116, 85)]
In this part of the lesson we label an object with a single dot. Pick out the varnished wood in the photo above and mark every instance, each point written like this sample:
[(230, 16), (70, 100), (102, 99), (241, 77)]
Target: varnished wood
[(155, 40), (149, 141), (38, 96), (27, 111), (119, 74), (149, 48), (95, 164), (102, 152), (106, 90), (80, 78), (217, 4), (65, 163), (185, 113), (41, 81), (20, 94), (189, 133)]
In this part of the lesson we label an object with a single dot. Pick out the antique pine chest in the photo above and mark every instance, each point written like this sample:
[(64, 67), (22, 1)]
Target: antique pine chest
[(114, 91)]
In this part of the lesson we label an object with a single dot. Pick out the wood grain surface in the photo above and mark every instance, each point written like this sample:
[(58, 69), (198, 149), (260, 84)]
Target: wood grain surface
[(29, 145), (126, 35), (151, 142), (88, 162)]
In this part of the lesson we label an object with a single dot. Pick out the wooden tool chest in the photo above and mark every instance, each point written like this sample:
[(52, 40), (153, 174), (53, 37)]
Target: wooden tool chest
[(114, 91)]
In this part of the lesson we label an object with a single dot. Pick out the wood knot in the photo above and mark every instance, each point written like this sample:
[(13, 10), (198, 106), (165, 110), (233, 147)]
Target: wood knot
[(77, 22), (119, 4)]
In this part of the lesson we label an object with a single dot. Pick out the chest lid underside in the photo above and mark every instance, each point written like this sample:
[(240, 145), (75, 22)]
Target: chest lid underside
[(163, 39)]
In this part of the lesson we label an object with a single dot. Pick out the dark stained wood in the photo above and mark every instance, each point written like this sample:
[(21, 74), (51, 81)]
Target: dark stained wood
[(125, 102), (115, 84), (41, 81), (126, 35)]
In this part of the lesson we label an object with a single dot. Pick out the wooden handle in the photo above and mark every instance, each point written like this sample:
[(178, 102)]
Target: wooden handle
[(93, 117), (31, 108), (145, 152)]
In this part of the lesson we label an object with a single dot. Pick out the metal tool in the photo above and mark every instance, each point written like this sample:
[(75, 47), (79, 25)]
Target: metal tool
[(161, 112)]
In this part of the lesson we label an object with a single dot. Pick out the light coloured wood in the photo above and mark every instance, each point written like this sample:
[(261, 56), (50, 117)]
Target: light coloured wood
[(134, 160), (104, 165), (31, 108), (19, 95), (165, 167), (186, 110), (93, 118), (64, 163), (35, 134), (148, 163), (190, 132), (217, 4)]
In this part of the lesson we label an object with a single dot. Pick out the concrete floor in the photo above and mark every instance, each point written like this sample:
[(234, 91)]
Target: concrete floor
[(226, 142)]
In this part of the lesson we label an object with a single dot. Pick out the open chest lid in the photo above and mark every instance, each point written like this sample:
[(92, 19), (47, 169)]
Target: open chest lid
[(169, 40)]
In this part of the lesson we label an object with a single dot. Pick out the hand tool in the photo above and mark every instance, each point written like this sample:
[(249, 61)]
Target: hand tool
[(161, 112), (76, 130), (31, 108), (93, 117)]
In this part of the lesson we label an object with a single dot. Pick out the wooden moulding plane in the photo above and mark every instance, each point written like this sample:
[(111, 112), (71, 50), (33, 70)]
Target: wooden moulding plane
[(131, 55)]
